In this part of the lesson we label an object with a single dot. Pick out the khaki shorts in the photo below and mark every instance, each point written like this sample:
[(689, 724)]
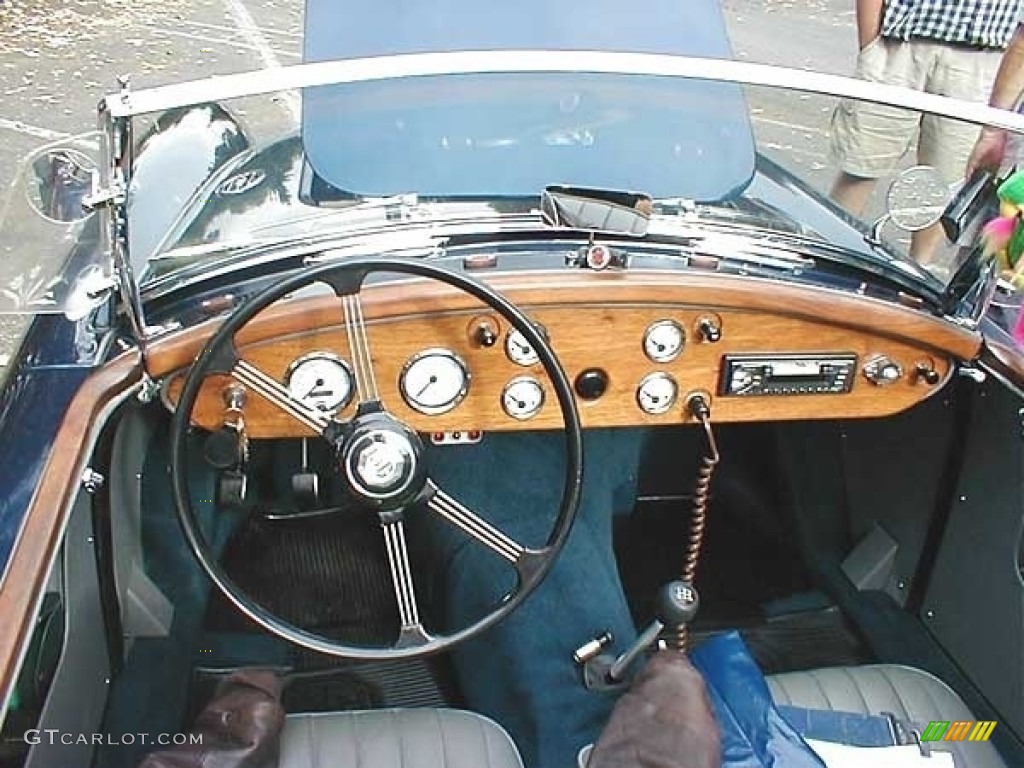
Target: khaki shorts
[(869, 140)]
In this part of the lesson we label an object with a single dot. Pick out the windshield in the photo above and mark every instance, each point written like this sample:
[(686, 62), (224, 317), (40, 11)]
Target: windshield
[(399, 154), (405, 162)]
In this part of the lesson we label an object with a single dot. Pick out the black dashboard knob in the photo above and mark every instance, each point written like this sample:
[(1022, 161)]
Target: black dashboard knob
[(591, 383)]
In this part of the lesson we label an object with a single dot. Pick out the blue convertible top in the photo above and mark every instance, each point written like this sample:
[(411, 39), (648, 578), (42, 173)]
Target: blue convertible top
[(489, 135)]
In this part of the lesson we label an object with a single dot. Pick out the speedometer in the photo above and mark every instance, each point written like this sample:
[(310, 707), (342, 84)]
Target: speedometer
[(434, 381)]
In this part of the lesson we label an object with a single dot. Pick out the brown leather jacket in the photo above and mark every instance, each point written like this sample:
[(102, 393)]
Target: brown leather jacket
[(240, 727), (664, 721)]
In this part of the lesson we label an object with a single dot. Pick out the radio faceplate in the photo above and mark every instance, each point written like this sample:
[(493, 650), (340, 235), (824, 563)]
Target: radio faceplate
[(787, 374)]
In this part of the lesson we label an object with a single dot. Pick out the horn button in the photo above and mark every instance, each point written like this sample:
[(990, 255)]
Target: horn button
[(382, 463)]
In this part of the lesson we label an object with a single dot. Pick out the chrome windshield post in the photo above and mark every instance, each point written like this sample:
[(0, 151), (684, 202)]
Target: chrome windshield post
[(110, 195)]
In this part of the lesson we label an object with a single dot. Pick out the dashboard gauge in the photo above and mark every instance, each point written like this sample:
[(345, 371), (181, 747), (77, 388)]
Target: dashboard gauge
[(321, 380), (519, 350), (522, 397), (434, 381), (664, 340), (656, 393)]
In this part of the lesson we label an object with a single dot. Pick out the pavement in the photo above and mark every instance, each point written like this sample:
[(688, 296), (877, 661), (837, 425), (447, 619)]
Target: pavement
[(58, 58)]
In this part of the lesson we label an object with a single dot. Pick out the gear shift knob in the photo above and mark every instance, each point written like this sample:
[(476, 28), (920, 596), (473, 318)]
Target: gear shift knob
[(676, 604)]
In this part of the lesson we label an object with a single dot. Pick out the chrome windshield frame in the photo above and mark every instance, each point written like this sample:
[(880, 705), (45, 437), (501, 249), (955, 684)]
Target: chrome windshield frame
[(128, 103)]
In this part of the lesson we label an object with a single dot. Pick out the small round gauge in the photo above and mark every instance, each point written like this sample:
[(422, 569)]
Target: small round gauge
[(656, 393), (664, 340), (434, 381), (519, 350), (321, 380), (522, 397)]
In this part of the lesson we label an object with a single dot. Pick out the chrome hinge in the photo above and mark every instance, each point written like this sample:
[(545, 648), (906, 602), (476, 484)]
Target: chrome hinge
[(148, 389), (92, 480), (104, 196), (977, 375)]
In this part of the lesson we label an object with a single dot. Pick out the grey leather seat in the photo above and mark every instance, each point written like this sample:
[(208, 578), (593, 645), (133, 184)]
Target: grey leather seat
[(908, 693), (396, 738), (448, 738)]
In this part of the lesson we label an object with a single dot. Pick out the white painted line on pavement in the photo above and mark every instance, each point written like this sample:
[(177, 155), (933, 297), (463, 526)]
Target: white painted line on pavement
[(252, 33), (220, 41), (225, 28), (31, 130)]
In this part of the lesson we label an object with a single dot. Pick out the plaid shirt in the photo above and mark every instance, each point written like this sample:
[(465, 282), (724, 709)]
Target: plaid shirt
[(985, 23)]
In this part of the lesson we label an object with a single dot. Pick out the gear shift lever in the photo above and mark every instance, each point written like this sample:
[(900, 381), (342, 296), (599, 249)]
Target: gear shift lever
[(676, 606)]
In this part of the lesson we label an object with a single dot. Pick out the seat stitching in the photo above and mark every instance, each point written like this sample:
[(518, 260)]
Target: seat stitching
[(487, 744), (444, 745), (360, 761), (310, 743), (898, 695), (401, 738), (856, 687), (824, 693)]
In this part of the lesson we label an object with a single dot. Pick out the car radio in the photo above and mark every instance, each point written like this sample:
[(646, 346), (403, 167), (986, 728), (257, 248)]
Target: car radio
[(787, 374)]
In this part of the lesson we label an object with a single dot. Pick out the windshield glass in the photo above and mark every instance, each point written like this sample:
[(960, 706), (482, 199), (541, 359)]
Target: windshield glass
[(405, 155)]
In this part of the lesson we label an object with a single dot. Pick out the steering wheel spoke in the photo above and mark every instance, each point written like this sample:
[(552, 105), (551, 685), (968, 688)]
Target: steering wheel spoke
[(275, 392), (474, 526), (411, 632), (359, 346)]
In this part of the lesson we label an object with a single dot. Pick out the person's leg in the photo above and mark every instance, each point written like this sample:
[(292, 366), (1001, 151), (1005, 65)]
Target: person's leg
[(945, 144), (868, 140)]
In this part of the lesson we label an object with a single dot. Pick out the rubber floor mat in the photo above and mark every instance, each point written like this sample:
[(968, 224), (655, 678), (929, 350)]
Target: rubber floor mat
[(328, 575), (806, 640)]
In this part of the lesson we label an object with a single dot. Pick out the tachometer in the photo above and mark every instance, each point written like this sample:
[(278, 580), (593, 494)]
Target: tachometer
[(434, 381), (320, 380)]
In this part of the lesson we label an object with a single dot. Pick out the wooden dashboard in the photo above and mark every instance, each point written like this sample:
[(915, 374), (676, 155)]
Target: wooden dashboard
[(596, 322)]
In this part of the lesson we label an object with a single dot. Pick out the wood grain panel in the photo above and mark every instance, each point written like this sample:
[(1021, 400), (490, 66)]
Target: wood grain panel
[(584, 336)]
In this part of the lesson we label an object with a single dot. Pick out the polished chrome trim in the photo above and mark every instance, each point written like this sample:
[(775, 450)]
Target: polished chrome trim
[(526, 61), (435, 410)]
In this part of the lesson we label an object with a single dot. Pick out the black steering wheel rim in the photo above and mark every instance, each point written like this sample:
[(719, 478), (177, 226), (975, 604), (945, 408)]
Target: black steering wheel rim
[(346, 278)]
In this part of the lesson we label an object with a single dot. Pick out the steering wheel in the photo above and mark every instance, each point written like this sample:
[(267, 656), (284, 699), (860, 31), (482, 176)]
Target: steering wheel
[(378, 458)]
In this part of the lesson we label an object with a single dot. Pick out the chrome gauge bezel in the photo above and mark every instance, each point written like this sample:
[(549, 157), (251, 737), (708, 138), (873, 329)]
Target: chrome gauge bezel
[(525, 416), (518, 357), (448, 405), (332, 358), (662, 357), (669, 402)]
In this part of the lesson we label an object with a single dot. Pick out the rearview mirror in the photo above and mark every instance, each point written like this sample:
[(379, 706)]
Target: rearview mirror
[(61, 178), (597, 210)]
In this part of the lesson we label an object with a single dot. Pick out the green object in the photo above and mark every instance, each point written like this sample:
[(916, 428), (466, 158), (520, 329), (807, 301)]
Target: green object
[(1012, 190), (1015, 247), (15, 702)]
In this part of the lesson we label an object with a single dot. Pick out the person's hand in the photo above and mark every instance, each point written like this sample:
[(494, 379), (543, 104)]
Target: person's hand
[(988, 151)]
